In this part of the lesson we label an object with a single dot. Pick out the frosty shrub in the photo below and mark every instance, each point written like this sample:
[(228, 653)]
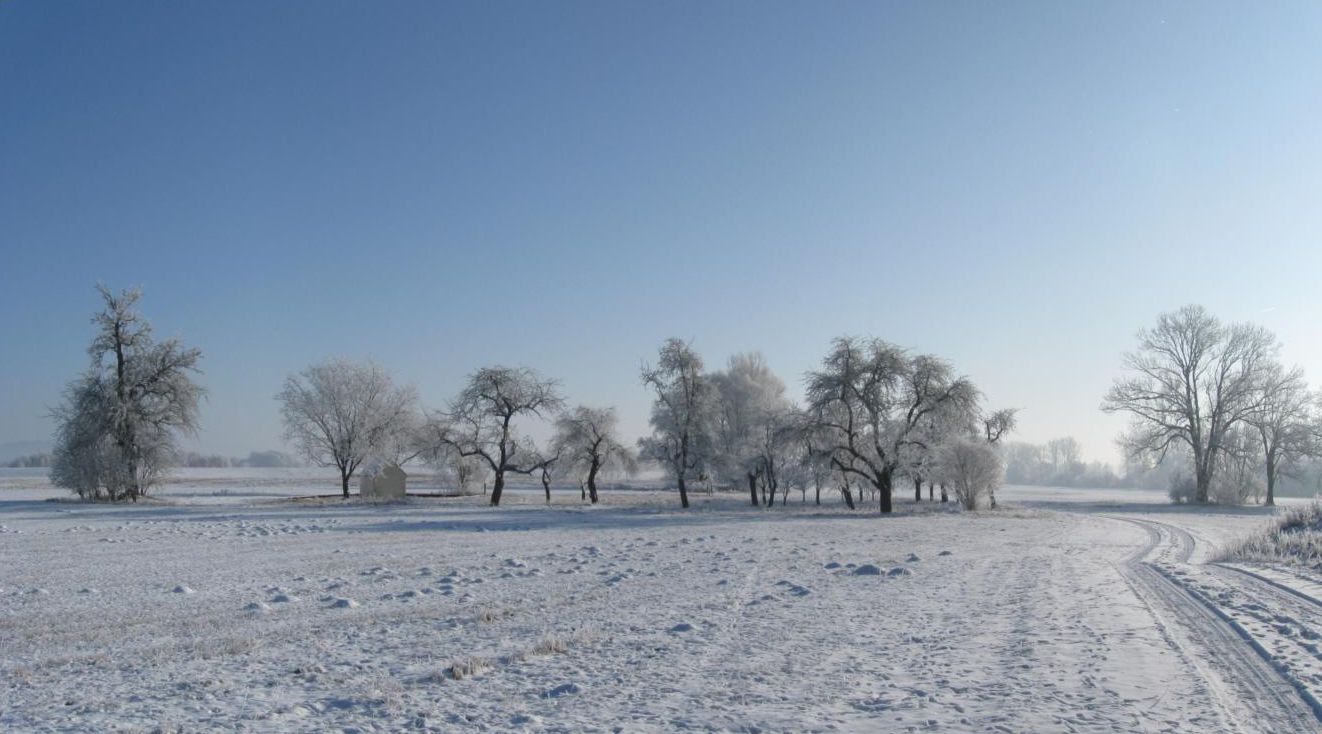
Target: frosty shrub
[(116, 429), (1296, 538), (1183, 488), (971, 467)]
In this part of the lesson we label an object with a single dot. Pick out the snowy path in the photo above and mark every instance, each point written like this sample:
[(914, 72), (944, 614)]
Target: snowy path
[(1248, 690), (638, 617)]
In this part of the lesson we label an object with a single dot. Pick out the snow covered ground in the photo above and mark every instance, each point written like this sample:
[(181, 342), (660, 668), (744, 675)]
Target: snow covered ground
[(228, 606)]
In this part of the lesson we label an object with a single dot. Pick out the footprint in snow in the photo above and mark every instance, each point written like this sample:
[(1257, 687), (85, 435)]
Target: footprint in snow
[(343, 603), (681, 627), (181, 589), (866, 569)]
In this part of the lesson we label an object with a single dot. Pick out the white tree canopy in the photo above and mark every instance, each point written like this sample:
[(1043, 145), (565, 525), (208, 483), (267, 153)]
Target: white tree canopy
[(118, 424), (340, 413)]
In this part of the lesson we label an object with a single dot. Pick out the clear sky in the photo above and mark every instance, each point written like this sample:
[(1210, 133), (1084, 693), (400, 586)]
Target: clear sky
[(1018, 187)]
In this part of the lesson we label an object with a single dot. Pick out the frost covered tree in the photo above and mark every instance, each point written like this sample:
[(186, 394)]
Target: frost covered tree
[(340, 413), (588, 442), (480, 422), (971, 466), (1193, 380), (117, 427), (871, 401), (1284, 422), (752, 425), (681, 439)]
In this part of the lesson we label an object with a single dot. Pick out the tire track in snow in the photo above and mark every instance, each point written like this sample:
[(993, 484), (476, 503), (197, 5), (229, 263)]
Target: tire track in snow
[(1241, 678)]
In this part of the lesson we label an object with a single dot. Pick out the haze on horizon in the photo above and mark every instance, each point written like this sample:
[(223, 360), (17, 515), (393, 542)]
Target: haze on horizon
[(439, 187)]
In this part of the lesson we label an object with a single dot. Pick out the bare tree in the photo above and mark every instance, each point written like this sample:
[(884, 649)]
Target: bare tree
[(588, 442), (117, 427), (1284, 422), (548, 466), (681, 433), (339, 413), (480, 422), (998, 423), (1194, 380), (871, 399)]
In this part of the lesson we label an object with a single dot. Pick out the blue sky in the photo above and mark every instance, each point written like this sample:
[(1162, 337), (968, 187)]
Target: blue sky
[(439, 186)]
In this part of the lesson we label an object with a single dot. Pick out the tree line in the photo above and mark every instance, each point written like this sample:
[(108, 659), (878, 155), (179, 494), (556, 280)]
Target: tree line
[(874, 415)]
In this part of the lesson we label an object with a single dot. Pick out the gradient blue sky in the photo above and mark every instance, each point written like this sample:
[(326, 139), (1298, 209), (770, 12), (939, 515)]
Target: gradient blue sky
[(1017, 187)]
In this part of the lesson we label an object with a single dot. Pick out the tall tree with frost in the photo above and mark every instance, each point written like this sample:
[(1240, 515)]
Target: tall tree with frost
[(1284, 422), (871, 401), (480, 422), (1193, 380), (587, 440), (340, 413), (752, 420), (681, 433), (117, 427)]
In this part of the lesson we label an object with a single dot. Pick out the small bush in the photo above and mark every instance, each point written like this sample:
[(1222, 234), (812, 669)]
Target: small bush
[(1183, 489), (1295, 539), (467, 668)]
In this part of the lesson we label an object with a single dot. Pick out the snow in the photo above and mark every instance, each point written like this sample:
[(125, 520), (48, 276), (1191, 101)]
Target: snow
[(1066, 610)]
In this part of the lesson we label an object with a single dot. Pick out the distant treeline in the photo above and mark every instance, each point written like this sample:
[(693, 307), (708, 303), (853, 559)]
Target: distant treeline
[(1057, 463), (261, 459), (33, 461), (192, 459)]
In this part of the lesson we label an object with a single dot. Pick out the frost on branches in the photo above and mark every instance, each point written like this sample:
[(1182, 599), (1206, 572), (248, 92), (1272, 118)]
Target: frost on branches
[(117, 426)]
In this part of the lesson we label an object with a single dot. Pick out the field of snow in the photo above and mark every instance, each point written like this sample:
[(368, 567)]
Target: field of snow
[(226, 605)]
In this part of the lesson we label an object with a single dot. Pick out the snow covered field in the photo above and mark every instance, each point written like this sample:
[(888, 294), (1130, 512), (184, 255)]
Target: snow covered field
[(227, 606)]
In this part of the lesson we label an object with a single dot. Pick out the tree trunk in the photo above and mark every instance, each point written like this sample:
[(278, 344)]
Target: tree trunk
[(497, 488), (752, 487), (1202, 476), (344, 483), (818, 487), (546, 487), (683, 492), (884, 490), (849, 496), (931, 492), (917, 489), (582, 491), (592, 480), (1271, 483), (945, 496)]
